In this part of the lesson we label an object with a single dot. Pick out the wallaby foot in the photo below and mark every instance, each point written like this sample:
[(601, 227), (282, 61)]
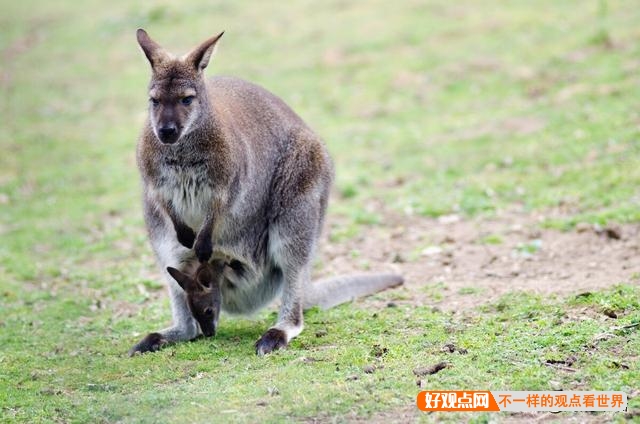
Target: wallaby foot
[(187, 330), (272, 340), (151, 343)]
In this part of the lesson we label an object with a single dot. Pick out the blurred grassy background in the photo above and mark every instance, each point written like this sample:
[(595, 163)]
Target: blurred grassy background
[(432, 107)]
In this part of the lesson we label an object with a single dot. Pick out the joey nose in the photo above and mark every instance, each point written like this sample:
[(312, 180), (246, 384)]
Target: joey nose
[(209, 331)]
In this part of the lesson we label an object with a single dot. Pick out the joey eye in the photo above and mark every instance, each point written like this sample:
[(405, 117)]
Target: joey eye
[(208, 312), (154, 102), (187, 100)]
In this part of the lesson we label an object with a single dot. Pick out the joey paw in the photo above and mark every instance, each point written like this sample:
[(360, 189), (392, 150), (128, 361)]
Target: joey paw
[(272, 340), (203, 249), (186, 236), (151, 343)]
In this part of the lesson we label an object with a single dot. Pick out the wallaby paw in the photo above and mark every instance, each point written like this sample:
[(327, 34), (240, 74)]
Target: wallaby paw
[(272, 340), (203, 249), (186, 236), (151, 343)]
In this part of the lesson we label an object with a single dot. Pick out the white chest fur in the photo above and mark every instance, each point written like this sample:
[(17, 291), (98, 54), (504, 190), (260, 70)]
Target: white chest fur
[(189, 191)]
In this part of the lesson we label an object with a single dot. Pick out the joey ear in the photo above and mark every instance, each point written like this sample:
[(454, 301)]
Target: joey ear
[(205, 277), (188, 284), (151, 49), (199, 57)]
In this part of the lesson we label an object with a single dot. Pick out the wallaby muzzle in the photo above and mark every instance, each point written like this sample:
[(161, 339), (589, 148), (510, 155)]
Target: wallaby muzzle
[(168, 134)]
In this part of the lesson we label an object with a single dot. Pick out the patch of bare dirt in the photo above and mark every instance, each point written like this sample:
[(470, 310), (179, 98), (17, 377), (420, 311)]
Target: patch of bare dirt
[(475, 261)]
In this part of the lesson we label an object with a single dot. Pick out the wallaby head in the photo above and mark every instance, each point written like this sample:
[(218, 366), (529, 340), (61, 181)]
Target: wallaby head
[(177, 94), (203, 294)]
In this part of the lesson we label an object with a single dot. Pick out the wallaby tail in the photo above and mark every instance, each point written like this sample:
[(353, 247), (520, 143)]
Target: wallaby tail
[(330, 292)]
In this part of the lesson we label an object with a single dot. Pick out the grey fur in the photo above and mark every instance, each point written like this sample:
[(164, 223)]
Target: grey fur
[(331, 292), (251, 181)]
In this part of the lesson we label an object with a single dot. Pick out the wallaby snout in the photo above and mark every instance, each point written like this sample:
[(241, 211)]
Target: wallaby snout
[(168, 134)]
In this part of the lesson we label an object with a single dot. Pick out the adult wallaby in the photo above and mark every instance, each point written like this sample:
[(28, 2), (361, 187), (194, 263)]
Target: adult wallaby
[(231, 174)]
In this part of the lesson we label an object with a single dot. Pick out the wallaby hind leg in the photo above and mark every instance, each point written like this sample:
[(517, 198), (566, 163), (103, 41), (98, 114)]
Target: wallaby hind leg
[(184, 327), (170, 253), (292, 239), (299, 200), (290, 319)]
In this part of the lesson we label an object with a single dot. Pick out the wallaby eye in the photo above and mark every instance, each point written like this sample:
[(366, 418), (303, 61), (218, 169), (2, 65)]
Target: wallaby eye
[(208, 312), (187, 100), (154, 102)]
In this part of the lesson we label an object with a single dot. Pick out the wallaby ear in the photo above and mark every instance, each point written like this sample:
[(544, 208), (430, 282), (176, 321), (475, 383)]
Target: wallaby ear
[(151, 49), (188, 284), (199, 57)]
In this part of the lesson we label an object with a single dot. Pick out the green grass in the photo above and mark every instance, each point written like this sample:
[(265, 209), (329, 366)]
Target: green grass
[(431, 107), (67, 361)]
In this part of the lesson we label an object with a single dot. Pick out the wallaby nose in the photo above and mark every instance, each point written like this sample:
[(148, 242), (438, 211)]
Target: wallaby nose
[(168, 134), (168, 131)]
